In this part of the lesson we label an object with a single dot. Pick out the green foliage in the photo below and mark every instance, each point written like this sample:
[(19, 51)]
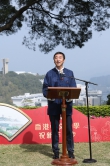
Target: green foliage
[(69, 23), (29, 107), (97, 111), (13, 84)]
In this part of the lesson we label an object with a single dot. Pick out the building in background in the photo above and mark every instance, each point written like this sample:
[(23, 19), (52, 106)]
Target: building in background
[(29, 100), (24, 72), (5, 66), (94, 98)]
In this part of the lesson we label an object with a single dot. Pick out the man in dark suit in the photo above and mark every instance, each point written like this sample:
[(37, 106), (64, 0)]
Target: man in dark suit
[(59, 77)]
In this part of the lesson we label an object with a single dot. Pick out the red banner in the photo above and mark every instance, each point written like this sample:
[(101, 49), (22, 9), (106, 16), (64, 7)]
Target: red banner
[(39, 130)]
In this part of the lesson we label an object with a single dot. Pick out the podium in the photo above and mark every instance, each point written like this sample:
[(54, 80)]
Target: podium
[(63, 93)]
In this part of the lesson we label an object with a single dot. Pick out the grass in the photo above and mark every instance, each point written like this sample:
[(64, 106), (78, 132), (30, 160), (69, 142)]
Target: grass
[(41, 154)]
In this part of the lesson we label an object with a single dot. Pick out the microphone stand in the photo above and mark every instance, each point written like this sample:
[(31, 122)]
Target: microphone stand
[(90, 160)]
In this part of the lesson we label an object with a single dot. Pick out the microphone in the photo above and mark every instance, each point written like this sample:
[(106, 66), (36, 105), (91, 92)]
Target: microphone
[(62, 74)]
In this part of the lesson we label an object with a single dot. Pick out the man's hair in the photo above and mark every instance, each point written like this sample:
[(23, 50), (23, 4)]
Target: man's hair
[(59, 53)]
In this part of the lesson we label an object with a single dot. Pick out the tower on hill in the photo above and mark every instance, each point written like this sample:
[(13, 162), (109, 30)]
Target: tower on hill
[(5, 66)]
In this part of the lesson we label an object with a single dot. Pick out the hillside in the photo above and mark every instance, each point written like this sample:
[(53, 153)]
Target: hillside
[(102, 80), (103, 84), (13, 84)]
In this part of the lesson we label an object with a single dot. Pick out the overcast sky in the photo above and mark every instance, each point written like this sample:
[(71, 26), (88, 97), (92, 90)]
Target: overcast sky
[(92, 60)]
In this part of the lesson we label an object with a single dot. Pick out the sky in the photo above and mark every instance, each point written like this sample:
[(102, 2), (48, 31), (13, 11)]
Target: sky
[(92, 60)]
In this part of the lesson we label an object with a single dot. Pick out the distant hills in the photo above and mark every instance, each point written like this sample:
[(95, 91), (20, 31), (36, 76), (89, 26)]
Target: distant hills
[(101, 81), (12, 84), (103, 84)]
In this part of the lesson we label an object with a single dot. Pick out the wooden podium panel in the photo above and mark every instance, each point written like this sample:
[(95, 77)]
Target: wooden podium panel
[(70, 92)]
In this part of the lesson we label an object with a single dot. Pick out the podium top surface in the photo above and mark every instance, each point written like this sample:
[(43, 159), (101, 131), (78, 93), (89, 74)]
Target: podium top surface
[(67, 92)]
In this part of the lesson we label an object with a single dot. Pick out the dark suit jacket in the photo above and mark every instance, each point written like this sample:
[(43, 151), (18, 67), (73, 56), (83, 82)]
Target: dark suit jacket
[(53, 79)]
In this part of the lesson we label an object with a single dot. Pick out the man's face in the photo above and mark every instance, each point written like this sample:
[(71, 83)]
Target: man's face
[(59, 60)]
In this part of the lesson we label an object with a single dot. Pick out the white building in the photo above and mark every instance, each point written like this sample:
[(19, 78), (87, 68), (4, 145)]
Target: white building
[(94, 96), (29, 100), (23, 72)]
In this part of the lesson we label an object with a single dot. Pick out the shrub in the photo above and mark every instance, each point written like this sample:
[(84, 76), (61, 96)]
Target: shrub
[(98, 111)]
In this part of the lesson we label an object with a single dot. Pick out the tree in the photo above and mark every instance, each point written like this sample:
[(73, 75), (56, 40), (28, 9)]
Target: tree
[(108, 101), (66, 22)]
